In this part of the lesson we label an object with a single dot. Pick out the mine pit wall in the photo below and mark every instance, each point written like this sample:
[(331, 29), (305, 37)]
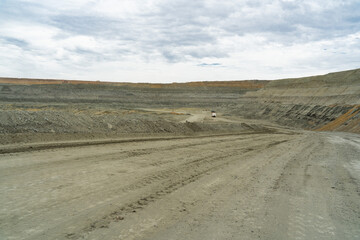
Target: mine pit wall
[(51, 112), (324, 103), (311, 117)]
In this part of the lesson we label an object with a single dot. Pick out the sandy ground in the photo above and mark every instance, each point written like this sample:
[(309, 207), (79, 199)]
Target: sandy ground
[(281, 185)]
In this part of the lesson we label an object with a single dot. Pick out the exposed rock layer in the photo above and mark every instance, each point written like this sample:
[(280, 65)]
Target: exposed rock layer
[(325, 103)]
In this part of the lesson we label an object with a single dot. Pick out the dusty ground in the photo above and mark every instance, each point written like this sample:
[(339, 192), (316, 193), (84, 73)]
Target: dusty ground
[(257, 185)]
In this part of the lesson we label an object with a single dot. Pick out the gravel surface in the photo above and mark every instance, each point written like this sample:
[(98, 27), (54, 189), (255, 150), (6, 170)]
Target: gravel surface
[(281, 185)]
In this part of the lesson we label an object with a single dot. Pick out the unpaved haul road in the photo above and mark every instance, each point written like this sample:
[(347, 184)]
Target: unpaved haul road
[(300, 185)]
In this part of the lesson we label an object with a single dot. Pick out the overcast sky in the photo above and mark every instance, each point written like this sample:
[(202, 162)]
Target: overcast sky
[(177, 40)]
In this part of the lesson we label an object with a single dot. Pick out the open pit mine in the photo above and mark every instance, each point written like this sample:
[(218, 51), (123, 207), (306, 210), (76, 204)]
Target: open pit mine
[(99, 160)]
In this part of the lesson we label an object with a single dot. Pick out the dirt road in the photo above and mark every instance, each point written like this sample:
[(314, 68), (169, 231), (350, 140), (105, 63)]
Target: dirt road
[(284, 185)]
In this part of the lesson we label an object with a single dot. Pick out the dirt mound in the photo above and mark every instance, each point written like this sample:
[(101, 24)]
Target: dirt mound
[(76, 123), (49, 123)]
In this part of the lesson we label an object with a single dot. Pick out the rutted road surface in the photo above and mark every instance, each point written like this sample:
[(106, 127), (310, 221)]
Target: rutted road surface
[(284, 185)]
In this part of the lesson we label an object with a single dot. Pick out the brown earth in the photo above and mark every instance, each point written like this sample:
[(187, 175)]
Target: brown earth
[(251, 84), (85, 160)]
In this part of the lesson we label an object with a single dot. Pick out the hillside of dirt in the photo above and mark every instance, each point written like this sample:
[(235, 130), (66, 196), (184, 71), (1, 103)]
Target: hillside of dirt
[(42, 110), (329, 102), (59, 109)]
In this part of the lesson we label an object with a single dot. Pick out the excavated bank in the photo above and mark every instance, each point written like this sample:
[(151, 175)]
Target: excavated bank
[(325, 103)]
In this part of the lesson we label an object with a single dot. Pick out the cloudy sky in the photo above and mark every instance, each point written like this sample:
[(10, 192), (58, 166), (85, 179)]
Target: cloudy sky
[(177, 40)]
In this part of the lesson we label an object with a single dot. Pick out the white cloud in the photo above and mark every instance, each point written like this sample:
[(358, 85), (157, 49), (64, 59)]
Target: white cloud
[(64, 5), (165, 41)]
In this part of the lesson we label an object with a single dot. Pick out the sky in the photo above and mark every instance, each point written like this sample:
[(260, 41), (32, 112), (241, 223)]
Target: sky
[(165, 41)]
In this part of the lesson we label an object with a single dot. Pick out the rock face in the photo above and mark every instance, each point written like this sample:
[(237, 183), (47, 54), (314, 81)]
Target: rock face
[(326, 103)]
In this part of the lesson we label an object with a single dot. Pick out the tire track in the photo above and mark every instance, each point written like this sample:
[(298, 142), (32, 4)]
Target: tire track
[(47, 146), (162, 170), (194, 170)]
